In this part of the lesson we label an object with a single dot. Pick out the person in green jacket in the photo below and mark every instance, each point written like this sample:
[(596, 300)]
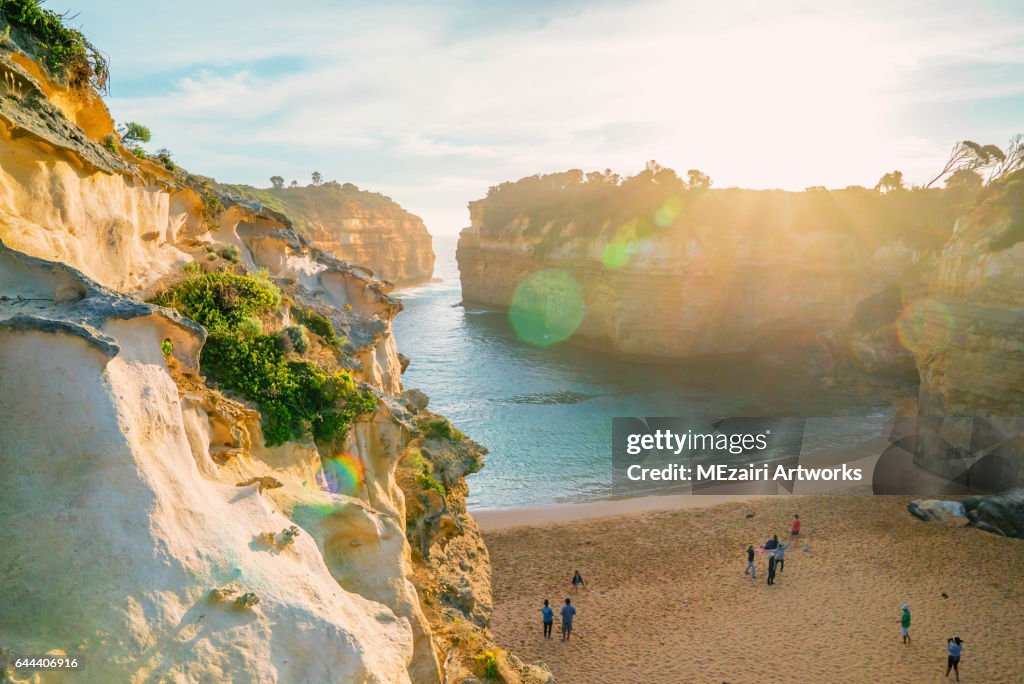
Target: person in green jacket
[(905, 621)]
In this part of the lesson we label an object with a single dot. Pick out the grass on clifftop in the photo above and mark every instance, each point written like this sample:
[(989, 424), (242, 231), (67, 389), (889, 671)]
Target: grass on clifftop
[(297, 399), (64, 51), (306, 205)]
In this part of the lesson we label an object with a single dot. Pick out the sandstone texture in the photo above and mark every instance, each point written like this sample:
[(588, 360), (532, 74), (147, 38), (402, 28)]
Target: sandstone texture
[(966, 330), (147, 524), (354, 225)]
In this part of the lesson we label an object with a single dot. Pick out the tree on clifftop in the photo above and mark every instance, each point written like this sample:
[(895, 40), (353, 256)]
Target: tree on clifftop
[(890, 181), (317, 178), (965, 178), (968, 155), (133, 132), (277, 182), (697, 180)]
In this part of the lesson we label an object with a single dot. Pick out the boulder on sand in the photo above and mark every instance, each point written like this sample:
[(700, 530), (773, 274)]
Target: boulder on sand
[(936, 509)]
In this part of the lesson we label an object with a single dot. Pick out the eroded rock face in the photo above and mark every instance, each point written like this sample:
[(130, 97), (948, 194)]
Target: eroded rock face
[(683, 293), (966, 330), (134, 522), (353, 225), (146, 489)]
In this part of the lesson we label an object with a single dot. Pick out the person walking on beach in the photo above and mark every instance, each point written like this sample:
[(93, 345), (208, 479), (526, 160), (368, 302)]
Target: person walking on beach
[(577, 581), (953, 648), (794, 531), (549, 618), (771, 568), (905, 622), (568, 613), (751, 568), (772, 543)]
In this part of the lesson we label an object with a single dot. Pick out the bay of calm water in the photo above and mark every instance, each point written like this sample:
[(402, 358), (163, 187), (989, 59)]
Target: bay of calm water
[(545, 414)]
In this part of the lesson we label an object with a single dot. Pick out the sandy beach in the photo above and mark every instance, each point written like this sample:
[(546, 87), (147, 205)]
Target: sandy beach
[(667, 600)]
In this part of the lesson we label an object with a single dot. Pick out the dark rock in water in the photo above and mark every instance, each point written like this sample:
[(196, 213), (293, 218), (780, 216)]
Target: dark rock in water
[(1001, 514)]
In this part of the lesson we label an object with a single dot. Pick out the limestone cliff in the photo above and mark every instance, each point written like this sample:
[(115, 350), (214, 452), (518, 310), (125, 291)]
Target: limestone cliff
[(767, 273), (355, 225), (169, 541), (966, 329)]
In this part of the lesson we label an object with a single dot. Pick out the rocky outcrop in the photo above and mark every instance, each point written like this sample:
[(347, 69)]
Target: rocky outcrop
[(169, 542), (966, 330), (692, 287), (362, 227), (134, 522), (1001, 514)]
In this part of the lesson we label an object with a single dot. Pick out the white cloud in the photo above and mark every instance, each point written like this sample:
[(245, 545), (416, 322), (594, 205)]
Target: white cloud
[(403, 99)]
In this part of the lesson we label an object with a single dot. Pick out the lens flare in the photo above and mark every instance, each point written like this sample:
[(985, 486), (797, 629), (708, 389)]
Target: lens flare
[(616, 254), (342, 474), (925, 324), (668, 212), (547, 307)]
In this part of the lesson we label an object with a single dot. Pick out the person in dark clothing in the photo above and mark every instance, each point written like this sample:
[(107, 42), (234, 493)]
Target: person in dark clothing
[(771, 568), (549, 618), (751, 569), (577, 581), (771, 543)]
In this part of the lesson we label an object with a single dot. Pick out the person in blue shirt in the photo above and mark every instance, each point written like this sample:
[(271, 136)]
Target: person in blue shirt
[(780, 555), (954, 647), (549, 618), (568, 613)]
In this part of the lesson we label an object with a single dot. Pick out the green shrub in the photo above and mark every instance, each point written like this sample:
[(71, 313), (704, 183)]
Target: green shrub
[(221, 300), (138, 152), (163, 155), (316, 323), (440, 428), (250, 327), (230, 252), (296, 398), (427, 480), (293, 338), (64, 51), (167, 347), (489, 662), (191, 268), (110, 142)]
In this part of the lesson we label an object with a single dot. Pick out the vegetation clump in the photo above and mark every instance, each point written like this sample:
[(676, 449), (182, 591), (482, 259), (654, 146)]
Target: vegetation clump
[(64, 51), (423, 472), (230, 252), (439, 427), (316, 323), (488, 661), (293, 338), (297, 399)]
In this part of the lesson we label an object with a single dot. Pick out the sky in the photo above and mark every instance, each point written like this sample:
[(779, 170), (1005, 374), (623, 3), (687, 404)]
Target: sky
[(432, 103)]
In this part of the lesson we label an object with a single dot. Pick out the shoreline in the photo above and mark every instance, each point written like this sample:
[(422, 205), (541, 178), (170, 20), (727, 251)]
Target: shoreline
[(492, 519)]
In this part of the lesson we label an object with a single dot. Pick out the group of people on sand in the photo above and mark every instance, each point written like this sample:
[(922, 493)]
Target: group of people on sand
[(568, 612), (954, 645), (776, 553)]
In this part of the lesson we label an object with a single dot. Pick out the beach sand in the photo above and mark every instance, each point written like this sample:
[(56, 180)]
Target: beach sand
[(667, 601)]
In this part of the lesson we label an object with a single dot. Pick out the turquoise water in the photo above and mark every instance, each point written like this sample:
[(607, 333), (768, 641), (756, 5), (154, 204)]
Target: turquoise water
[(545, 413)]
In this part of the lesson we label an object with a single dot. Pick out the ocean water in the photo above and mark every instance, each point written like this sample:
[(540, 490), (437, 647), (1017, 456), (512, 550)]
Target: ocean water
[(545, 414)]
